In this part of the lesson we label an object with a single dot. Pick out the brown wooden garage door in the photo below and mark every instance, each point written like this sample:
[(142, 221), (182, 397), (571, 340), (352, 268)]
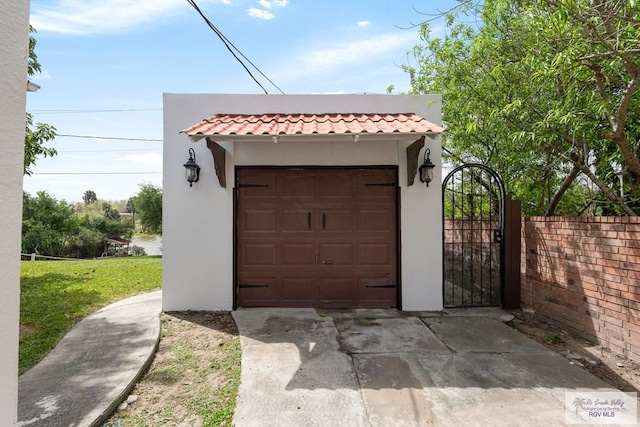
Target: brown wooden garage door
[(317, 237)]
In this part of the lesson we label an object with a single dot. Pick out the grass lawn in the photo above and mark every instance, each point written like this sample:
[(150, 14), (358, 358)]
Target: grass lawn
[(57, 294)]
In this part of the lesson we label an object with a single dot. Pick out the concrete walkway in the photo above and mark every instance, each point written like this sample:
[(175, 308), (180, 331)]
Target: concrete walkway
[(302, 367), (93, 367)]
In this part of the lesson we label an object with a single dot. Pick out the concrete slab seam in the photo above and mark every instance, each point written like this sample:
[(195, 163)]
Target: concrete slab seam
[(451, 349), (365, 408)]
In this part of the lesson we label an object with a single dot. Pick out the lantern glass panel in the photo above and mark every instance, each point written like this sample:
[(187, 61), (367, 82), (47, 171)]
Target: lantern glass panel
[(190, 174)]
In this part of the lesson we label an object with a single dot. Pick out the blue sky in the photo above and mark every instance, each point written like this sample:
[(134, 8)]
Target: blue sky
[(106, 64)]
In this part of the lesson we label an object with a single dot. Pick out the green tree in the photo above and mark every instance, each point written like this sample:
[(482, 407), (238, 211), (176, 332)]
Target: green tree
[(109, 211), (36, 135), (47, 224), (52, 227), (89, 197), (545, 92), (130, 206), (35, 138), (148, 206)]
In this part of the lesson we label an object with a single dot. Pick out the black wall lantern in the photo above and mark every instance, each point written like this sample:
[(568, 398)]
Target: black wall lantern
[(192, 172), (426, 168)]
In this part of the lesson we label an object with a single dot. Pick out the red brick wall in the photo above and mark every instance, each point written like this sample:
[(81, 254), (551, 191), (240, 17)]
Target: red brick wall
[(584, 275)]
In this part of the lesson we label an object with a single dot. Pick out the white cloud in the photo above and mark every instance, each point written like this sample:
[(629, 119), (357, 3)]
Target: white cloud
[(44, 75), (267, 5), (147, 159), (103, 16), (363, 23), (338, 55), (260, 13)]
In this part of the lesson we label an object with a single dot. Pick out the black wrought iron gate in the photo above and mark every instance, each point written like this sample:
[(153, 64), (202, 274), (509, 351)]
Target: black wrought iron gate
[(474, 230)]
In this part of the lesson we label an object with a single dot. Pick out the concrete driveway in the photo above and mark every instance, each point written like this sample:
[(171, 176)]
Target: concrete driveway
[(305, 367)]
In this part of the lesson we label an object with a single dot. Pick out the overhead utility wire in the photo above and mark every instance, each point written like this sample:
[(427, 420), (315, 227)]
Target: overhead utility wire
[(106, 151), (110, 137), (92, 111), (96, 173), (228, 45)]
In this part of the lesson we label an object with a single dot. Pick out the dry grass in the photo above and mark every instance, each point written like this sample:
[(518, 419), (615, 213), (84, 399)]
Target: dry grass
[(194, 378)]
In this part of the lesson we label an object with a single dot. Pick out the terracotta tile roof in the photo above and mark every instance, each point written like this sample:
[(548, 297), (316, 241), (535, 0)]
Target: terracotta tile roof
[(311, 124)]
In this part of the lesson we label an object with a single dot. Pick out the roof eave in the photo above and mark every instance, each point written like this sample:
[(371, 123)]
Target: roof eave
[(355, 137)]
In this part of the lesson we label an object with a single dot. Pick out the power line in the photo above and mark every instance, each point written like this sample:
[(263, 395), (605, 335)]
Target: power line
[(110, 137), (96, 173), (227, 43), (105, 151), (93, 111)]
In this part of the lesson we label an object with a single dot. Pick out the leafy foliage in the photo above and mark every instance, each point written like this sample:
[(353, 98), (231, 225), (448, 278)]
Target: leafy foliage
[(148, 206), (137, 250), (53, 228), (34, 139), (47, 224), (89, 197), (109, 211), (40, 133), (130, 206), (545, 92), (33, 66)]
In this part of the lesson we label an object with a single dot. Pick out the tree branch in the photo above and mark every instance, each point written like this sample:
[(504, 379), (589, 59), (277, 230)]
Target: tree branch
[(555, 200), (578, 163), (606, 54)]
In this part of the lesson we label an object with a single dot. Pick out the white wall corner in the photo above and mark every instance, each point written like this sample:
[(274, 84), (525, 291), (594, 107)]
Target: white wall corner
[(14, 27)]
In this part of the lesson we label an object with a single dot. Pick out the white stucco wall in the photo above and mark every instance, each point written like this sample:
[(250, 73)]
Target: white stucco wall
[(198, 221), (14, 25)]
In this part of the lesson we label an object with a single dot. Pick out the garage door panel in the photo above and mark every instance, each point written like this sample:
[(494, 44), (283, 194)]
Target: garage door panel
[(380, 220), (377, 291), (298, 254), (380, 186), (375, 254), (258, 220), (301, 289), (293, 220), (258, 291), (336, 220), (296, 186), (332, 187), (259, 255), (335, 254), (337, 289), (258, 186), (376, 192)]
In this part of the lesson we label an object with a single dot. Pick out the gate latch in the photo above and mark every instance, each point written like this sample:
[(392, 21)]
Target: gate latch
[(497, 236)]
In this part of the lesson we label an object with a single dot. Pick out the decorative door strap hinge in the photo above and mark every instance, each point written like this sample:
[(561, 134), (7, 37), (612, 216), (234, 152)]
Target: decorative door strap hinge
[(252, 286)]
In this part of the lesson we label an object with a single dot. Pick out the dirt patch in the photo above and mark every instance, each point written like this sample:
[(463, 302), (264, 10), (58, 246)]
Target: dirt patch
[(619, 371), (26, 330), (194, 378)]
